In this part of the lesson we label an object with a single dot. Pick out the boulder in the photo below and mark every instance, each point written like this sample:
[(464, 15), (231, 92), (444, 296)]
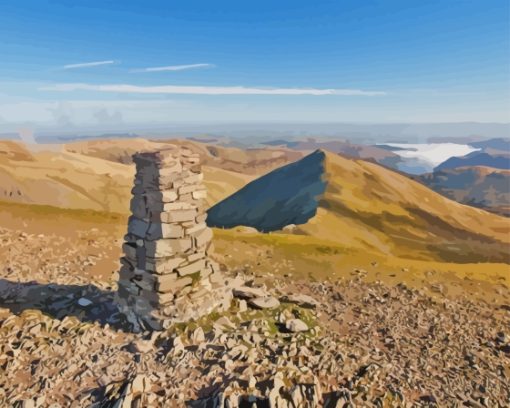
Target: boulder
[(296, 325)]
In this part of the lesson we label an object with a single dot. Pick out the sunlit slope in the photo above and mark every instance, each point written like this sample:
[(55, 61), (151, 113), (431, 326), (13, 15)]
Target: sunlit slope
[(368, 207), (10, 149), (65, 179), (114, 150)]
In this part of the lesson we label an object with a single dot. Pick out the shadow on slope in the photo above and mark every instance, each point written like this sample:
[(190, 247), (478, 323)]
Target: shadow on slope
[(88, 303), (288, 195)]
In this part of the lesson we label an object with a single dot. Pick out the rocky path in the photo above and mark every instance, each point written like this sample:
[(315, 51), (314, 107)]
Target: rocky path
[(346, 343)]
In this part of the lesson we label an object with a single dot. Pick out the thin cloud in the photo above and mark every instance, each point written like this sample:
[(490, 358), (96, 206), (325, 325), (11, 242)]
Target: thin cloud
[(207, 90), (88, 64), (174, 68)]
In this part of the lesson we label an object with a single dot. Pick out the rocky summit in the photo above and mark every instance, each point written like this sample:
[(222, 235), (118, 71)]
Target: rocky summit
[(263, 320)]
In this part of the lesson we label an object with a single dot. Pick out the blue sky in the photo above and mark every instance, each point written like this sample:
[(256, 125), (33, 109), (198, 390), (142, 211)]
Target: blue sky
[(112, 63)]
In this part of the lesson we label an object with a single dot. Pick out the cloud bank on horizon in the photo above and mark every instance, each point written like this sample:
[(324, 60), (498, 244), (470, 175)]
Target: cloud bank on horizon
[(423, 157)]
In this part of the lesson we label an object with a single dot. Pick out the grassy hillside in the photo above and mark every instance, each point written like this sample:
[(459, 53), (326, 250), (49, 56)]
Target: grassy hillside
[(66, 180), (63, 178), (365, 207), (305, 257), (274, 255), (370, 208), (478, 186)]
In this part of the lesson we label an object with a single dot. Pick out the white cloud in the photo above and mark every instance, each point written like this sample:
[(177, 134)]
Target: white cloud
[(88, 64), (206, 90), (174, 68)]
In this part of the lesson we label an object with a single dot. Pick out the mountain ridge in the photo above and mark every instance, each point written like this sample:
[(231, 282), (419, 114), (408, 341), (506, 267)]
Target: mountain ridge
[(365, 205)]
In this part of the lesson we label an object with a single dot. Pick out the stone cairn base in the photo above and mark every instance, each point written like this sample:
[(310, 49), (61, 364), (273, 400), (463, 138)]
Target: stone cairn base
[(166, 274)]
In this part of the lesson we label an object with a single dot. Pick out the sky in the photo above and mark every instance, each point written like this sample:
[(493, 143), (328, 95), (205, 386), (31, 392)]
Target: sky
[(113, 64)]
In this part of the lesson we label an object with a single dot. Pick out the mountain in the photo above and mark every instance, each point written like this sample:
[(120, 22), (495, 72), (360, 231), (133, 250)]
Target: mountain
[(99, 178), (286, 196), (478, 186), (495, 160), (362, 205)]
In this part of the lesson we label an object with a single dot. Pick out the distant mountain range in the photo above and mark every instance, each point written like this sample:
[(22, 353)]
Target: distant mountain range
[(355, 203), (247, 134), (344, 147), (498, 144)]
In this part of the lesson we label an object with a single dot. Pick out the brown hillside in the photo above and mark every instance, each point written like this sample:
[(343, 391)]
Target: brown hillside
[(65, 179), (366, 205), (478, 186)]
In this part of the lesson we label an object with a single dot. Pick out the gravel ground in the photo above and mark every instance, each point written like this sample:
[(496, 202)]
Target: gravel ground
[(62, 342)]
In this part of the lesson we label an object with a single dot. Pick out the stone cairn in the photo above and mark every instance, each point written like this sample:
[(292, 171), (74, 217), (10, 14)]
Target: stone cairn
[(166, 274)]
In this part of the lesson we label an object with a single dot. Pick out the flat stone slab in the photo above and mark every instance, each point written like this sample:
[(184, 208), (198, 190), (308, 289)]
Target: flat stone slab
[(300, 300), (267, 302), (296, 325)]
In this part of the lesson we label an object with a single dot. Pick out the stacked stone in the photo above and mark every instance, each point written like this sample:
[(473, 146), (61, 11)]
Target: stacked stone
[(166, 275)]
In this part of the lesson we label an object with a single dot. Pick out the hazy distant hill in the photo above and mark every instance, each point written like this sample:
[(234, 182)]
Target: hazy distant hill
[(365, 206), (248, 133), (346, 148), (499, 144), (245, 161), (495, 160)]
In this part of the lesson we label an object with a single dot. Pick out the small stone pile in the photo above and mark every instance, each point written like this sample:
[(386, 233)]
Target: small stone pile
[(166, 274)]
